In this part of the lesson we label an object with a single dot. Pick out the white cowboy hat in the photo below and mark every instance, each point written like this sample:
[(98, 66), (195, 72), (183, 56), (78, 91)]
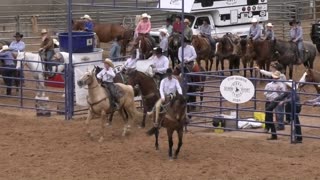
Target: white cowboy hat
[(56, 42), (276, 74), (254, 20), (269, 25), (145, 15), (43, 31), (86, 16), (109, 62), (4, 47), (163, 30), (186, 21)]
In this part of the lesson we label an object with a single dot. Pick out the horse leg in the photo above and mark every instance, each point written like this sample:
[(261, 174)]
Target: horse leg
[(251, 68), (290, 70), (170, 140), (222, 66), (244, 63), (211, 63), (207, 64), (109, 123), (126, 120), (103, 117), (180, 136), (156, 135), (143, 123), (172, 60), (89, 117), (217, 62)]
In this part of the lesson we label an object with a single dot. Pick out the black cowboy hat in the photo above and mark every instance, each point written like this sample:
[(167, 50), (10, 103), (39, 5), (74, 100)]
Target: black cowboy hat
[(169, 20), (18, 35), (118, 38), (186, 40), (158, 50), (169, 71), (294, 22)]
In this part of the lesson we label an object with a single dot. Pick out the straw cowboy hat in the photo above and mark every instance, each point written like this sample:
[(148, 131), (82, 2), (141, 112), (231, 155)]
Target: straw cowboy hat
[(269, 25), (18, 35), (289, 84), (56, 42), (145, 15), (186, 21), (86, 16), (5, 47), (43, 31), (109, 62), (254, 20), (276, 74)]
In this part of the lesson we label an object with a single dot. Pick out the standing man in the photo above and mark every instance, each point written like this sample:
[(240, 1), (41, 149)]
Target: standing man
[(177, 26), (115, 49), (205, 31), (169, 26), (189, 53), (88, 24), (188, 33), (8, 72), (46, 50), (160, 64), (17, 44), (164, 41), (255, 30), (296, 35)]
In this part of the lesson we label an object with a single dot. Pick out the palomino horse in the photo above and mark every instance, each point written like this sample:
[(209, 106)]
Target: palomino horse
[(108, 32), (148, 88), (98, 99), (226, 48), (287, 54), (173, 120), (310, 76), (203, 50), (173, 47), (144, 44)]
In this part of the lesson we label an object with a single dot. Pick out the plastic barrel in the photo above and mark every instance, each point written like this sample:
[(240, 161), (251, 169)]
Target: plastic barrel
[(82, 42)]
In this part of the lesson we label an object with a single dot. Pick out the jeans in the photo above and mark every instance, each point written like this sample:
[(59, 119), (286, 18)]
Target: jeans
[(297, 127), (9, 73), (269, 121), (47, 55), (279, 110), (300, 50)]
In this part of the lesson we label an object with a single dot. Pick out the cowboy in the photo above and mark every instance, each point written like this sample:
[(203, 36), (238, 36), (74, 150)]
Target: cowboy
[(88, 24), (164, 41), (144, 26), (177, 26), (255, 30), (296, 35), (169, 26), (8, 60), (46, 50), (269, 33), (115, 49), (189, 54), (132, 61), (106, 75), (169, 86), (188, 33), (205, 31), (160, 63), (17, 44)]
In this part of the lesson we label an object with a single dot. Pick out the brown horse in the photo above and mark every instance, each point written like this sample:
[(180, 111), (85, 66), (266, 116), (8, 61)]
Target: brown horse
[(143, 43), (108, 32), (203, 50), (148, 88), (311, 76), (173, 119), (246, 59), (174, 42), (227, 49)]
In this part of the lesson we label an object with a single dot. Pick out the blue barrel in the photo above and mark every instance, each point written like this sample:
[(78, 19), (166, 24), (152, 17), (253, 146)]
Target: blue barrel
[(82, 42)]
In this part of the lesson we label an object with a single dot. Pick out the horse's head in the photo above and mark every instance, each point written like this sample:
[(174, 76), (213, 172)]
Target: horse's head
[(133, 79), (178, 107), (175, 40), (86, 79)]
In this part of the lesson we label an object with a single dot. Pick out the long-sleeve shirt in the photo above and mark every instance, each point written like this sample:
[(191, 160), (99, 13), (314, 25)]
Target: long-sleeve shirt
[(7, 58), (273, 90), (47, 43), (115, 51), (269, 35), (164, 43), (169, 29), (177, 27), (206, 30), (88, 26), (131, 63), (17, 46), (143, 27), (269, 74), (315, 101), (296, 33), (160, 64), (189, 54), (106, 75), (255, 32), (169, 87), (188, 33)]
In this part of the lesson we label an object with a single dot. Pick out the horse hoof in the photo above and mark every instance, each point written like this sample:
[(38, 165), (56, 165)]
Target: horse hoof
[(175, 157), (108, 124), (157, 149), (101, 139), (170, 159)]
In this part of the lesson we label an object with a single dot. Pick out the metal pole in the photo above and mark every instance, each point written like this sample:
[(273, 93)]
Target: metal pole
[(293, 111), (182, 50), (69, 81)]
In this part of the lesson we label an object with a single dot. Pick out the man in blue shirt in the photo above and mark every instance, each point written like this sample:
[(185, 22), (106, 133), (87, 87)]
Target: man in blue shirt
[(18, 44), (115, 49), (296, 36), (88, 24), (255, 30), (10, 67)]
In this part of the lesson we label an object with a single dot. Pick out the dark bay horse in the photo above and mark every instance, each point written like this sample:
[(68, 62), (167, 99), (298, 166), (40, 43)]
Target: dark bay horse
[(148, 87), (227, 49), (310, 76), (174, 42), (246, 59), (108, 32), (144, 44), (173, 120), (203, 50), (286, 54)]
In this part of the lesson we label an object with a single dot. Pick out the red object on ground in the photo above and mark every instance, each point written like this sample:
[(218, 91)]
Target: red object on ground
[(56, 78)]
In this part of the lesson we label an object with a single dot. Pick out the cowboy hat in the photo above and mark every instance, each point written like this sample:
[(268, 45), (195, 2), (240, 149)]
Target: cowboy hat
[(109, 62), (169, 71), (289, 84), (56, 42), (18, 35), (186, 21), (86, 16), (145, 15), (4, 47), (269, 25), (186, 40), (276, 74), (254, 20), (43, 31), (164, 30)]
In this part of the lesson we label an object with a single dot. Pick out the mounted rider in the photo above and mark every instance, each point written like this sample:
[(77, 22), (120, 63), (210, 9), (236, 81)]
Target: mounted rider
[(169, 26), (164, 41), (205, 31), (46, 50), (107, 75), (255, 30), (88, 24), (132, 61), (169, 86), (296, 36), (189, 53), (188, 33), (160, 64), (143, 28), (269, 32), (177, 26)]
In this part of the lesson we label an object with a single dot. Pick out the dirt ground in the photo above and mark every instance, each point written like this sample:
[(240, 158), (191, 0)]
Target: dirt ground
[(52, 148)]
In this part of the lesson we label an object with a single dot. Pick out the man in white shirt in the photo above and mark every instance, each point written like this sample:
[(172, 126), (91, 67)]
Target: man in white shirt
[(132, 61), (169, 86), (160, 63), (164, 41), (190, 54), (106, 75)]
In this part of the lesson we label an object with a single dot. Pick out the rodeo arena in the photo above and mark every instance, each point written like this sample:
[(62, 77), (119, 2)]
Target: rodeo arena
[(160, 89)]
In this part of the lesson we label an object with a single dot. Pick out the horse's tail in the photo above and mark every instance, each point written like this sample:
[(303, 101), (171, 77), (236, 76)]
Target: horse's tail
[(152, 131)]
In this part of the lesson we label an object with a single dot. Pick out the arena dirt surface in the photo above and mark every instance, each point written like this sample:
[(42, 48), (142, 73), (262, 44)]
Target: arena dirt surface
[(52, 148)]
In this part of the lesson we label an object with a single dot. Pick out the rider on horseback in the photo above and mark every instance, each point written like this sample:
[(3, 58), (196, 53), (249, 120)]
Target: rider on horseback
[(107, 75), (188, 33), (255, 30), (143, 28), (269, 32), (177, 26), (132, 61), (46, 50), (205, 31), (296, 36), (88, 25), (160, 64), (164, 41), (169, 86), (189, 54)]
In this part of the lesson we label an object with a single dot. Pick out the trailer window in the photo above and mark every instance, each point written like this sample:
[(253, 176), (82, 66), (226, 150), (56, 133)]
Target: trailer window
[(200, 20)]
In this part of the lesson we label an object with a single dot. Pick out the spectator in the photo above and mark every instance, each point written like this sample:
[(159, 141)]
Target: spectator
[(255, 30), (88, 24), (177, 25), (169, 26), (115, 49), (164, 41), (17, 44)]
